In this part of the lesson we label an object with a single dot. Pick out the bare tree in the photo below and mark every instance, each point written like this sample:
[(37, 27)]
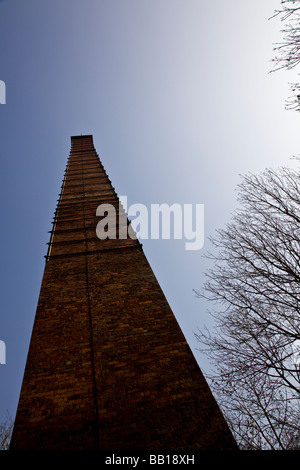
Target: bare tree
[(287, 53), (255, 285), (6, 428)]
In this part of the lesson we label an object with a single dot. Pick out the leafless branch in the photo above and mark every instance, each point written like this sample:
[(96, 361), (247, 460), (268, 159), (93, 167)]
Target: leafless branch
[(254, 284)]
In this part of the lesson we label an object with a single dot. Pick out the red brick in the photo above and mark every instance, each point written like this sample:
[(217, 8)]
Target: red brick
[(108, 366)]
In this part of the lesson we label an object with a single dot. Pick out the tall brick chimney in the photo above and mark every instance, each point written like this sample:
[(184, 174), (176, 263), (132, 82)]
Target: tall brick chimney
[(108, 367)]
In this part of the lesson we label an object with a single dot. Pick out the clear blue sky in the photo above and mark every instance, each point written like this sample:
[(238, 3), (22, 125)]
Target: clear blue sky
[(180, 102)]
